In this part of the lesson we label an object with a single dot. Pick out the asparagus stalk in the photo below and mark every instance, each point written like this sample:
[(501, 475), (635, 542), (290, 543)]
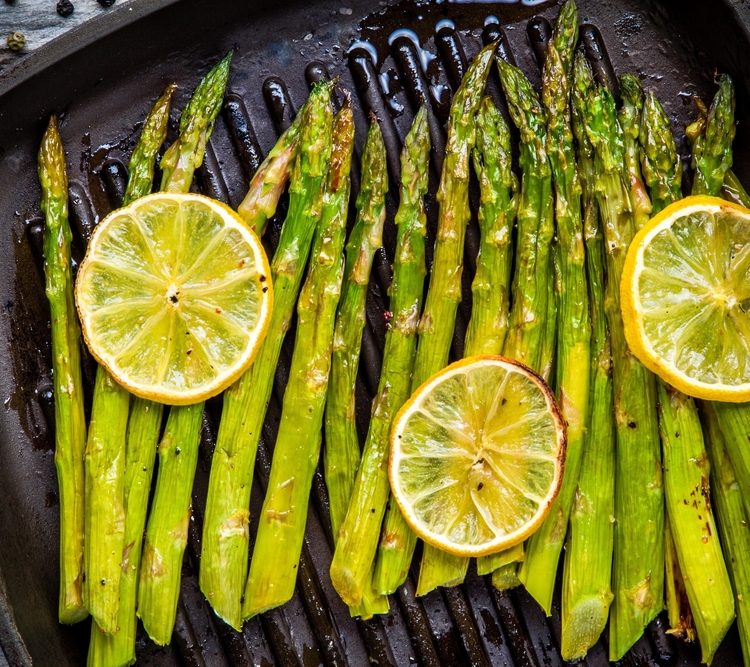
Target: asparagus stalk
[(586, 588), (104, 534), (507, 559), (278, 545), (167, 529), (528, 315), (139, 443), (490, 289), (731, 188), (269, 181), (691, 520), (539, 569), (639, 528), (734, 419), (681, 623), (70, 422), (530, 335), (166, 532), (437, 322), (185, 155), (734, 527), (357, 542), (354, 556), (712, 149), (223, 566), (629, 116), (492, 159), (341, 455)]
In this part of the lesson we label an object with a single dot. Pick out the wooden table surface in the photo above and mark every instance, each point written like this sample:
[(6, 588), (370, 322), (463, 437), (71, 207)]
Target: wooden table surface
[(39, 21)]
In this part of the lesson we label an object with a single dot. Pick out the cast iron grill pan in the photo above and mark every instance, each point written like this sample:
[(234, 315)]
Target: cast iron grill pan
[(101, 92)]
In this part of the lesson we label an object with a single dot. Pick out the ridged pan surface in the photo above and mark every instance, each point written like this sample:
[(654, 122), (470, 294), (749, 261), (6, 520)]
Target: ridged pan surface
[(101, 93)]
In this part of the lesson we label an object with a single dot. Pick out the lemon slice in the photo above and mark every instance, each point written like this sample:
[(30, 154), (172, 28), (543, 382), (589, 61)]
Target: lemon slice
[(174, 297), (685, 296), (477, 456)]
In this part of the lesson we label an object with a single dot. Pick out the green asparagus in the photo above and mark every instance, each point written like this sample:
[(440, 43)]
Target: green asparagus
[(354, 556), (639, 510), (269, 181), (681, 623), (70, 422), (166, 532), (529, 337), (490, 289), (532, 276), (586, 588), (281, 526), (691, 523), (143, 428), (342, 455), (437, 322), (224, 554), (104, 523), (734, 527), (712, 149), (629, 116), (185, 155), (539, 569)]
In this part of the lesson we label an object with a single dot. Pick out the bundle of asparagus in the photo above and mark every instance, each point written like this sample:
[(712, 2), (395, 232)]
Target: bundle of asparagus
[(592, 173)]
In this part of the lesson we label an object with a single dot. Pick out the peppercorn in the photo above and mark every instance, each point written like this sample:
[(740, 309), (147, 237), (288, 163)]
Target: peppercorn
[(16, 41), (64, 8)]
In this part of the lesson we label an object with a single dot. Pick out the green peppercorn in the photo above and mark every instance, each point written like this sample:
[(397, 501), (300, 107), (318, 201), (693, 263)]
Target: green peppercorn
[(16, 41)]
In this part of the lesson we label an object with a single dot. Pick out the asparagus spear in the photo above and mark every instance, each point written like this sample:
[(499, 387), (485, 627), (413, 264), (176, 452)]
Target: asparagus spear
[(70, 422), (639, 528), (539, 569), (167, 529), (342, 445), (223, 567), (143, 427), (357, 542), (166, 532), (681, 623), (586, 589), (342, 456), (104, 534), (491, 286), (269, 181), (185, 155), (490, 289), (691, 520), (530, 335), (278, 545), (528, 316), (731, 188), (712, 150), (734, 419), (629, 116), (437, 322), (734, 527)]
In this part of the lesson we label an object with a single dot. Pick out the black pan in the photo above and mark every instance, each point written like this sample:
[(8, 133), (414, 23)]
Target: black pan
[(101, 81)]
